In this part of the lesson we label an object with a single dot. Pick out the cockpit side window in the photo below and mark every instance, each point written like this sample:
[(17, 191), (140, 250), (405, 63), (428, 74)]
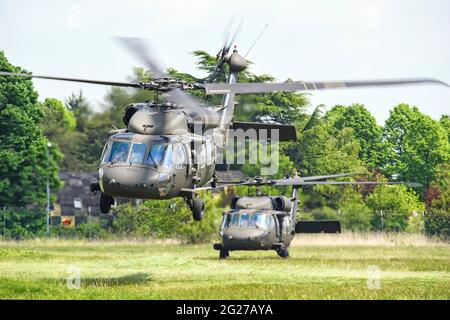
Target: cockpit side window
[(181, 157), (244, 221), (168, 157), (106, 150), (226, 221), (270, 221), (161, 155), (137, 152), (119, 151), (235, 220), (259, 220)]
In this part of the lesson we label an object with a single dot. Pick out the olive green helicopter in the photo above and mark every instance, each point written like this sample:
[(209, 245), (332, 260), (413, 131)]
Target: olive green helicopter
[(264, 222), (168, 149)]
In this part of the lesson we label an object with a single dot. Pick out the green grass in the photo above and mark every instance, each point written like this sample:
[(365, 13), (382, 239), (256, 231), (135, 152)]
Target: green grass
[(320, 267)]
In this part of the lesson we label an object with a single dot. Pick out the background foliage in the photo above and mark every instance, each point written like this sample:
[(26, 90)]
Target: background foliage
[(410, 146)]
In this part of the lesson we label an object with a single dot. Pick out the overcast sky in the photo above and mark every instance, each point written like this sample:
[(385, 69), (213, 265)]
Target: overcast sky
[(305, 40)]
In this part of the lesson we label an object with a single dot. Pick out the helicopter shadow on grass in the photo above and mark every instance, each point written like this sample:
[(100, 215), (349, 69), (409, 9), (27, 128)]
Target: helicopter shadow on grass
[(130, 279), (249, 258)]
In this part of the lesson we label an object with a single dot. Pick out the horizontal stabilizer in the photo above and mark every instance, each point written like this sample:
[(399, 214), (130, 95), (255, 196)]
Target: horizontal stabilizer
[(318, 226), (285, 132)]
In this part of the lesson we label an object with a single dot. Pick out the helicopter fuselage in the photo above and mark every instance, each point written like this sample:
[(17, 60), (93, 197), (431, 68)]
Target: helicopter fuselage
[(258, 223), (266, 223), (271, 234), (158, 155), (151, 166)]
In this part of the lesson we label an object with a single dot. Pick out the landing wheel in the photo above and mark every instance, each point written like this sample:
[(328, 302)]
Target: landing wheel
[(283, 253), (198, 206), (223, 254), (105, 203)]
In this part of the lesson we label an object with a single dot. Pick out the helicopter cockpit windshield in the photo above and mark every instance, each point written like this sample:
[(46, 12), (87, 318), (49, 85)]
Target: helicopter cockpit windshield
[(247, 220), (118, 151), (160, 155), (121, 150)]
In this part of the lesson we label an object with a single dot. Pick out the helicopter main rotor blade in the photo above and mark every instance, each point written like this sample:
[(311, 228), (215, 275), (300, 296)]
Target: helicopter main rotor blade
[(101, 82), (299, 182), (223, 88), (235, 34), (140, 48), (224, 53), (313, 178), (183, 98), (296, 182), (220, 186), (196, 190)]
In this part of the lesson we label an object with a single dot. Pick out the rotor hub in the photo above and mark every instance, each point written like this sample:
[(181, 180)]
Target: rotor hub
[(237, 62), (166, 84)]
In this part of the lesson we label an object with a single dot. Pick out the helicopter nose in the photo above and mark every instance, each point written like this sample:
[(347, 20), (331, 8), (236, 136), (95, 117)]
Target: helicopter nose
[(130, 182), (245, 239), (247, 234)]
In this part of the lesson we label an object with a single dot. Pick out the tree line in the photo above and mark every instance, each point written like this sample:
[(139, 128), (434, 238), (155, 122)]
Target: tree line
[(410, 146)]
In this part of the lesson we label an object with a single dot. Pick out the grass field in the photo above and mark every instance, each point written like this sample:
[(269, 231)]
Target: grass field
[(320, 267)]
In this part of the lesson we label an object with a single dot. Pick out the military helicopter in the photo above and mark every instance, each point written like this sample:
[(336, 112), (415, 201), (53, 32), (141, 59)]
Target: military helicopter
[(263, 222), (160, 154)]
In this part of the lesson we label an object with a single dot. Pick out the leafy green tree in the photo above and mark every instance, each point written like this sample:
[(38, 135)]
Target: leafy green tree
[(445, 123), (270, 157), (67, 125), (95, 136), (324, 213), (416, 144), (437, 219), (437, 223), (23, 168), (81, 109), (323, 149), (74, 147), (22, 223), (397, 204), (58, 125), (437, 194), (168, 219), (57, 120), (441, 183), (355, 216), (365, 130)]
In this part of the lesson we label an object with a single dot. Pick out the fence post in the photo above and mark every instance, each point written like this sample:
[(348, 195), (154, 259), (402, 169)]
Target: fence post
[(4, 221), (381, 217)]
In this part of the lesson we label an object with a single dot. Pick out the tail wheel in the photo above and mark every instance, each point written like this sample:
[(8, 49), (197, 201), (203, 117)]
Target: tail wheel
[(198, 206), (105, 203), (283, 253)]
